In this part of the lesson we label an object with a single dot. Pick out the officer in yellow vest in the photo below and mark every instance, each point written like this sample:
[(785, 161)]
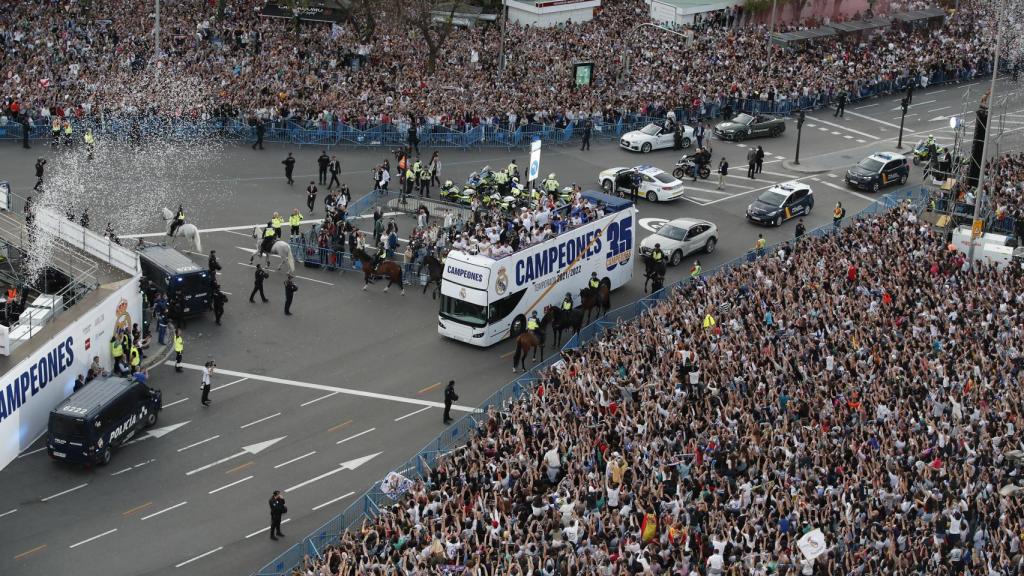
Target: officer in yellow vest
[(55, 130), (135, 359), (567, 302), (550, 184), (294, 220), (90, 142), (512, 170), (276, 222), (594, 282), (657, 255), (760, 244), (501, 179), (709, 321), (179, 348), (533, 324), (67, 133), (116, 350)]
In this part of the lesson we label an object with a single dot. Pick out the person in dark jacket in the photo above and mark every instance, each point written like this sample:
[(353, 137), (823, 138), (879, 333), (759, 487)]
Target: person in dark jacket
[(277, 510), (261, 129), (321, 163), (289, 167), (257, 285), (219, 300), (588, 129), (414, 138), (289, 292), (40, 166), (450, 397)]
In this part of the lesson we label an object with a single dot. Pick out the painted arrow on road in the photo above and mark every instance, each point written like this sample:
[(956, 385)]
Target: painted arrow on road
[(350, 465), (159, 432), (252, 449)]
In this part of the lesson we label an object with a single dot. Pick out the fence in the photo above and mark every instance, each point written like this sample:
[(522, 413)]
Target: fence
[(488, 134), (374, 500)]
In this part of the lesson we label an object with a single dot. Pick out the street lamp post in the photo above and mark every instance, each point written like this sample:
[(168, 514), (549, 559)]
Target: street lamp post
[(904, 104), (157, 31), (799, 130)]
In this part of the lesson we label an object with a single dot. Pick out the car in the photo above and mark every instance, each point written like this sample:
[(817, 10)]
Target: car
[(744, 126), (654, 136), (780, 203), (879, 170), (655, 184), (682, 237)]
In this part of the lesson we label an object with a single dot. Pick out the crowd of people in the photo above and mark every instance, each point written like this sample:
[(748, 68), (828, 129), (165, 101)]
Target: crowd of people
[(81, 58), (865, 384)]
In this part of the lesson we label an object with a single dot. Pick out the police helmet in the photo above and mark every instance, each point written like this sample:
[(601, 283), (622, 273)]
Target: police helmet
[(447, 182), (534, 314), (657, 246), (568, 295), (594, 274), (551, 176)]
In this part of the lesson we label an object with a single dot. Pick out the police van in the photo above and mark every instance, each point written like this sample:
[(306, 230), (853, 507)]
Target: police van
[(106, 413), (484, 301), (173, 273)]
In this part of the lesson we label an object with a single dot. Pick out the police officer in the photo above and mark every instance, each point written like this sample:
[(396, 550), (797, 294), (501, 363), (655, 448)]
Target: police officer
[(512, 170), (116, 350), (257, 285), (335, 168), (40, 165), (594, 283), (588, 129), (90, 142), (501, 179), (213, 265), (550, 185), (289, 167), (261, 129), (450, 397), (179, 349), (277, 509), (567, 302), (800, 229), (219, 299), (533, 323), (161, 328), (322, 162), (276, 222), (657, 256), (205, 384), (268, 241), (311, 192), (760, 244), (294, 221), (634, 188), (289, 292)]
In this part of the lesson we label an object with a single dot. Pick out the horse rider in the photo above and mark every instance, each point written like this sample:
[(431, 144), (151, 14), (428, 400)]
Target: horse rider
[(533, 324), (657, 256), (381, 253), (567, 302), (276, 222), (179, 219), (268, 238), (594, 283)]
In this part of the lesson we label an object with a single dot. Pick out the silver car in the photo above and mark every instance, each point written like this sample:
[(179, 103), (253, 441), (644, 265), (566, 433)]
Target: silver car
[(682, 237)]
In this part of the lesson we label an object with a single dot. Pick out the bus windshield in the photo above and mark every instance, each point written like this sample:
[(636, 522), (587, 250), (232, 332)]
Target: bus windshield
[(67, 427), (463, 312)]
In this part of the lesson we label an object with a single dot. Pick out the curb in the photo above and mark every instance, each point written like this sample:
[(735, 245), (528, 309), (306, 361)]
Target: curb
[(788, 165), (161, 357)]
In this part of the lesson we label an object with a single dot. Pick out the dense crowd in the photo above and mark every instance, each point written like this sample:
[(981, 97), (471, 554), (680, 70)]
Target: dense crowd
[(80, 58), (865, 384)]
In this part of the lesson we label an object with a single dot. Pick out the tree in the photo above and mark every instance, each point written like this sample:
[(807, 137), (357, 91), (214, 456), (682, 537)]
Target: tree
[(420, 14)]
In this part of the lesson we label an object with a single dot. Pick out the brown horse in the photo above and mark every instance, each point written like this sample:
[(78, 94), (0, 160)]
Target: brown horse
[(599, 298), (434, 272), (528, 341), (392, 271)]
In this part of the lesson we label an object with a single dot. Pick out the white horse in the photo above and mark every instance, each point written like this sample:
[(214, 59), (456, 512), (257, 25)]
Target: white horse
[(187, 231), (280, 248)]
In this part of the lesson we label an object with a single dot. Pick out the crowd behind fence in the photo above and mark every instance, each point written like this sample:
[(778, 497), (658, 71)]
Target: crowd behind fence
[(456, 436), (339, 134)]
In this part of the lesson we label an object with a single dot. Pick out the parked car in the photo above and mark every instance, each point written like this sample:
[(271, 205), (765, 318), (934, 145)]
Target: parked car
[(655, 184), (744, 126), (682, 237), (780, 203), (654, 136), (879, 170)]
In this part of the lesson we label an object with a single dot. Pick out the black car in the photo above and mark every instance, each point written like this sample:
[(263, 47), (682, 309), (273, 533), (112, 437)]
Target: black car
[(744, 126), (879, 170), (780, 203)]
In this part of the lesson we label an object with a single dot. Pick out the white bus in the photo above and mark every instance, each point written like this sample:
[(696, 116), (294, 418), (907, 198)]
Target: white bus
[(483, 300)]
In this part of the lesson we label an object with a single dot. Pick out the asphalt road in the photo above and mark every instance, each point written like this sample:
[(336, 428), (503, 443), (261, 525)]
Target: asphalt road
[(324, 403)]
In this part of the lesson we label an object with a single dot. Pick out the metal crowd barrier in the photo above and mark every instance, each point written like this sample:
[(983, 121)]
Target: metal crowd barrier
[(374, 500)]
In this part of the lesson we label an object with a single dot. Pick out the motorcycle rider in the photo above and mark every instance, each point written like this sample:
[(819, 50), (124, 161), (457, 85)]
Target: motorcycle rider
[(550, 185), (449, 190)]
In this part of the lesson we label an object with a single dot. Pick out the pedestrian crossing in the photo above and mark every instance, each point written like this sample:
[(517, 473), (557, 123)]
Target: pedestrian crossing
[(829, 130), (705, 192)]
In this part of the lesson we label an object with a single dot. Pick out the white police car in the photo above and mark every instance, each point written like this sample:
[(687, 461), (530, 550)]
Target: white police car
[(655, 184), (654, 136), (780, 203), (879, 170)]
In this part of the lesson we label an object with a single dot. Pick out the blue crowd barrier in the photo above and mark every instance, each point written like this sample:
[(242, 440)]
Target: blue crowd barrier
[(374, 500)]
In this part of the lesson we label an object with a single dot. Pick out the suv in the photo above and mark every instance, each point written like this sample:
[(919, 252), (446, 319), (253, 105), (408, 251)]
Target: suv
[(878, 170), (780, 203), (103, 415)]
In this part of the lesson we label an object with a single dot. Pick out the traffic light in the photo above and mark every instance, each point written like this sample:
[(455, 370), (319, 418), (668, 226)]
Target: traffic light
[(904, 103), (800, 120)]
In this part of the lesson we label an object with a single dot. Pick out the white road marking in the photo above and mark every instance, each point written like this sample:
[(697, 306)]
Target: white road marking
[(225, 487), (203, 555), (866, 106), (823, 128), (701, 201), (835, 133), (228, 384), (96, 537), (252, 449), (141, 464), (937, 109), (329, 502), (287, 462), (210, 439), (412, 413), (845, 189), (175, 402), (755, 190), (937, 91), (326, 388), (128, 469), (350, 465), (168, 509), (293, 276), (243, 426), (912, 105), (68, 491), (359, 434), (32, 452), (859, 133), (325, 396), (267, 529), (811, 125), (9, 512), (859, 141), (847, 136)]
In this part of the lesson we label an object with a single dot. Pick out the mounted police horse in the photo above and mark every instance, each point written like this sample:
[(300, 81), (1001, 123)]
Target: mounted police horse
[(434, 271), (528, 341), (599, 298), (654, 272), (562, 320), (268, 246), (187, 231), (385, 269)]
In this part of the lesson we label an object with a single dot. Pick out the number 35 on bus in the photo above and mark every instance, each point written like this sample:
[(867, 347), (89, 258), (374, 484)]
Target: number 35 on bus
[(485, 300)]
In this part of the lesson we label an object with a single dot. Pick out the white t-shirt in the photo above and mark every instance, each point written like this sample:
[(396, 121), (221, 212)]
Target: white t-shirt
[(613, 497), (551, 459)]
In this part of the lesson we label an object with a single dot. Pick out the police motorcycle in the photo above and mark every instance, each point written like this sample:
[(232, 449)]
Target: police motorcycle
[(451, 193), (565, 194), (482, 181), (922, 153), (688, 163)]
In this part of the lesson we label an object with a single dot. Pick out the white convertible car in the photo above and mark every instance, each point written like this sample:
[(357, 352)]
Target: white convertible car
[(654, 136)]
